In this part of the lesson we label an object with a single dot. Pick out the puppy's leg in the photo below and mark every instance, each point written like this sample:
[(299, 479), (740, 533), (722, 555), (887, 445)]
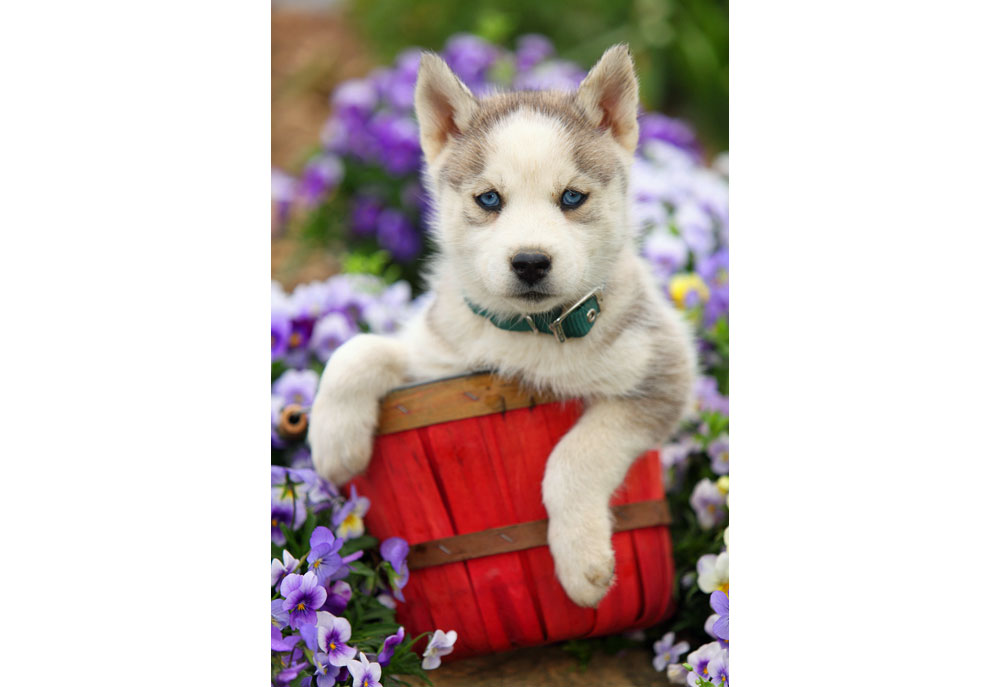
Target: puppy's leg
[(345, 411), (585, 468)]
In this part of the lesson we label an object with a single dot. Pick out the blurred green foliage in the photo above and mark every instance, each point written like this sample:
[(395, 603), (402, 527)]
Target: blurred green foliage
[(681, 47)]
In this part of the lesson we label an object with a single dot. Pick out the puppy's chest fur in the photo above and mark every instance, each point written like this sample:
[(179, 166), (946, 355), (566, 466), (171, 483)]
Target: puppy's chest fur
[(613, 359)]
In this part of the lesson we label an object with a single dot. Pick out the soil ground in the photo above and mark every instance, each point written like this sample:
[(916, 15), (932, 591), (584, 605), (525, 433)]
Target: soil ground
[(550, 665)]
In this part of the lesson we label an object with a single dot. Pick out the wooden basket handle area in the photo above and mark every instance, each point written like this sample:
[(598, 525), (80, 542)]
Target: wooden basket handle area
[(526, 535), (455, 398)]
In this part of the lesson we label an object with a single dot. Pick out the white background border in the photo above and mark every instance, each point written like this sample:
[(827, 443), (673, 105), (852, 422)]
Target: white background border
[(864, 183)]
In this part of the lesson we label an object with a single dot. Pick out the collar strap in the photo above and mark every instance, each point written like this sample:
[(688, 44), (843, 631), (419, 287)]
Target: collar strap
[(571, 322)]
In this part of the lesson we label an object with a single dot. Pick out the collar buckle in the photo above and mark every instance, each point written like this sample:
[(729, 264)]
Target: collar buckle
[(557, 324)]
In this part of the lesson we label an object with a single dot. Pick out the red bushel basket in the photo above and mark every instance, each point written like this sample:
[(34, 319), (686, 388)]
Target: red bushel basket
[(457, 471)]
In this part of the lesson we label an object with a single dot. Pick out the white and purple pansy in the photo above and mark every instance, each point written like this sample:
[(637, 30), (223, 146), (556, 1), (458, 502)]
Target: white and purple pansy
[(332, 635), (441, 644), (666, 652), (365, 674), (303, 596)]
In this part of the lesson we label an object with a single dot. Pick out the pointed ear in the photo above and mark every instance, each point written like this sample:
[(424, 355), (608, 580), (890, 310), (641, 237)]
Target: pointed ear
[(443, 103), (609, 96)]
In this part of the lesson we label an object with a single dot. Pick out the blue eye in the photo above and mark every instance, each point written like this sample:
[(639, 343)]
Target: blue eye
[(572, 199), (489, 200)]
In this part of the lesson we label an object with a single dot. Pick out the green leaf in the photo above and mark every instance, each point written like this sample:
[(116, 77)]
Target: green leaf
[(357, 544)]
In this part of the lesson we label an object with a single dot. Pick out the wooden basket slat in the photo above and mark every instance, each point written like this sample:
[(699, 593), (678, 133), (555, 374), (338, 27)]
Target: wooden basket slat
[(655, 565), (535, 434), (476, 504), (509, 580), (507, 452), (446, 588), (620, 607)]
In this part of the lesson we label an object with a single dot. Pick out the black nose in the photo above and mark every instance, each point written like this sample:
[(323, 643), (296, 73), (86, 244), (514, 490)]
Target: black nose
[(532, 267)]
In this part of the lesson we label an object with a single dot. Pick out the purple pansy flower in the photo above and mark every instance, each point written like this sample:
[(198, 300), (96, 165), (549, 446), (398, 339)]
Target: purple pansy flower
[(385, 313), (350, 293), (396, 85), (674, 461), (289, 489), (325, 674), (709, 398), (398, 235), (331, 331), (696, 228), (349, 519), (279, 643), (355, 98), (291, 479), (278, 613), (699, 660), (365, 674), (303, 595), (394, 550), (718, 451), (321, 174), (667, 652), (323, 557), (708, 503), (441, 644), (290, 673), (307, 302), (389, 647), (301, 459), (279, 569), (554, 75), (287, 513), (281, 331), (470, 57), (338, 595), (656, 126), (666, 251), (332, 635), (399, 140), (296, 386), (531, 49), (720, 604), (714, 270), (718, 668), (322, 493)]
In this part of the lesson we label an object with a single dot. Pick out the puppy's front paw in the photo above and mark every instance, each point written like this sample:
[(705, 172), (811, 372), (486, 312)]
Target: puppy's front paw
[(585, 561), (340, 435)]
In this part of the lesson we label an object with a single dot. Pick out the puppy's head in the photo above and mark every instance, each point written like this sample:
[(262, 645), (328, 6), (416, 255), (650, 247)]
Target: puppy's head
[(530, 187)]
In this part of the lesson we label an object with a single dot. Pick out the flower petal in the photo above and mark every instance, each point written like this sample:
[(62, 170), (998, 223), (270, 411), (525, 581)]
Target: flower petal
[(321, 535)]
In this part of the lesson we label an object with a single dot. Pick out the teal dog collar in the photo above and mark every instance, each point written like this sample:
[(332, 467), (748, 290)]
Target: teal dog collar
[(573, 322)]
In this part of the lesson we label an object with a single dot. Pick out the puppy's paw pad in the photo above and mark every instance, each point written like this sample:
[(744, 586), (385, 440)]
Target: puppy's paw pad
[(587, 581), (601, 576)]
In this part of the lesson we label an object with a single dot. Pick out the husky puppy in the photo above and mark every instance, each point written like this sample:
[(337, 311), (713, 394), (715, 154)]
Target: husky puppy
[(530, 191)]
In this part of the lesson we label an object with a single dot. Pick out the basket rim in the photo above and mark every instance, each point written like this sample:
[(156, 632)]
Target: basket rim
[(456, 397)]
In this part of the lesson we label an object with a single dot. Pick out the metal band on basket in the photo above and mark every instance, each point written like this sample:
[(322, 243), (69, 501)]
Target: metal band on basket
[(526, 535)]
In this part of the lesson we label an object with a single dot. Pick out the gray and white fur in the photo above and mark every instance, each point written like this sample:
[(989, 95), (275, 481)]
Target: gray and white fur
[(635, 370)]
